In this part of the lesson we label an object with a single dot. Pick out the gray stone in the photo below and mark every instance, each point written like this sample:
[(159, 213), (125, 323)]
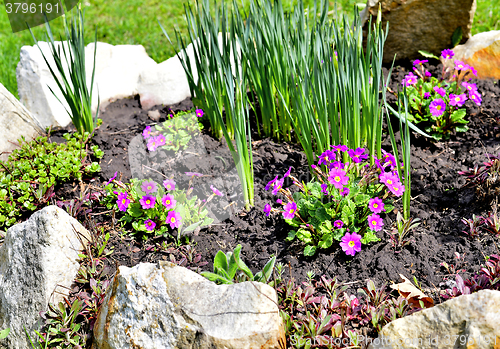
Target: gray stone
[(165, 306), (469, 321), (420, 24), (16, 122), (38, 262)]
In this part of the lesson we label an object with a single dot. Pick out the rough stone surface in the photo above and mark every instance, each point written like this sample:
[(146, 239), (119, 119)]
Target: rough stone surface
[(166, 306), (38, 259), (420, 24), (116, 76), (164, 83), (482, 51), (470, 321), (16, 122)]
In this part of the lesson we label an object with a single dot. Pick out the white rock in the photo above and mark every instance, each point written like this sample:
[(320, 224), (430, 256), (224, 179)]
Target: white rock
[(166, 83), (38, 261), (469, 321), (482, 51), (116, 76), (16, 122), (165, 306)]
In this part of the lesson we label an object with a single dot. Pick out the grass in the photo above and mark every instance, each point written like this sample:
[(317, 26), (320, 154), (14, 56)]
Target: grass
[(134, 22), (119, 22)]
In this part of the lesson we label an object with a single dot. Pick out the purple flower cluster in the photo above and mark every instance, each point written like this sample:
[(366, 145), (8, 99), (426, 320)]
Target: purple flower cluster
[(392, 182)]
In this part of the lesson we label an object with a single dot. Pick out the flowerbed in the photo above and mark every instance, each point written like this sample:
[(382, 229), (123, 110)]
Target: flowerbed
[(440, 247)]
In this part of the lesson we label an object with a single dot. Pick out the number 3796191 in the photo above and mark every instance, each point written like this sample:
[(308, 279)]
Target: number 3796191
[(24, 7)]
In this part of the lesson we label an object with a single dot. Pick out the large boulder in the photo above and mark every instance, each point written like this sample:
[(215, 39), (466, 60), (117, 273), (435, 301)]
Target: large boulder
[(469, 321), (38, 264), (420, 24), (165, 306), (16, 122), (482, 51), (116, 76)]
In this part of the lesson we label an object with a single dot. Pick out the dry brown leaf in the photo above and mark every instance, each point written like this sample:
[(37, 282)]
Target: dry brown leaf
[(412, 294)]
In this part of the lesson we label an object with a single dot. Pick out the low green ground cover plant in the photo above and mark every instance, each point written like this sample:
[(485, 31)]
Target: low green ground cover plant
[(154, 209), (29, 176), (174, 134), (437, 103), (343, 202)]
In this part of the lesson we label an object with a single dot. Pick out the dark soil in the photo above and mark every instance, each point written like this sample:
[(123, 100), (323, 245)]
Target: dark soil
[(440, 200)]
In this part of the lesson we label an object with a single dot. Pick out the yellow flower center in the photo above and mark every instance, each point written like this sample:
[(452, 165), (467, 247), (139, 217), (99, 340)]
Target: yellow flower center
[(375, 205), (472, 97), (337, 179), (396, 188), (148, 202), (374, 222), (172, 219), (291, 211), (438, 107), (123, 201), (149, 187), (351, 243), (457, 99), (168, 202), (389, 181), (168, 186)]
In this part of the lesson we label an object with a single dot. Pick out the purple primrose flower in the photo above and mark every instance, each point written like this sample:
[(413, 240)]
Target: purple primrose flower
[(168, 201), (457, 100), (427, 95), (111, 179), (278, 185), (447, 54), (440, 91), (475, 97), (147, 201), (375, 222), (160, 140), (358, 155), (193, 174), (344, 191), (290, 209), (122, 202), (419, 62), (338, 178), (267, 210), (338, 224), (199, 113), (174, 219), (169, 184), (410, 80), (150, 225), (351, 243), (324, 188), (459, 65), (149, 187), (152, 145), (376, 205), (146, 133), (396, 188), (288, 172), (216, 191), (270, 183), (437, 107)]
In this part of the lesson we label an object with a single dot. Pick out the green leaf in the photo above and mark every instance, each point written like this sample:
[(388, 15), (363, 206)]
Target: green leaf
[(326, 241), (241, 265), (309, 250), (291, 235), (369, 237), (456, 37), (428, 54), (220, 262), (321, 214), (4, 333), (135, 209), (216, 278)]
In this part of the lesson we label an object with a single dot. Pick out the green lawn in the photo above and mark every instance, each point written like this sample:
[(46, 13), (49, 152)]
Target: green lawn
[(135, 22)]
